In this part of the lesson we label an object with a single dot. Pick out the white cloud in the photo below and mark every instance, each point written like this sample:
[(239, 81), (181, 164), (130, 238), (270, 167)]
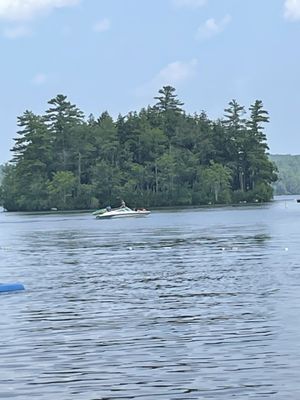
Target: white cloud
[(17, 32), (26, 9), (189, 3), (39, 79), (102, 25), (292, 9), (173, 74), (176, 72), (211, 27)]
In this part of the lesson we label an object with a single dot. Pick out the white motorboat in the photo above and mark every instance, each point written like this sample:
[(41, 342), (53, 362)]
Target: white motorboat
[(120, 213)]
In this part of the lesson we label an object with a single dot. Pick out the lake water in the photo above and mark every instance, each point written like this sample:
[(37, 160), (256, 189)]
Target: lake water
[(185, 304)]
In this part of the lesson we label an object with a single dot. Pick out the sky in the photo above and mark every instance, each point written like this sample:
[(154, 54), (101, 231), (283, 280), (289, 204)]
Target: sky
[(114, 55)]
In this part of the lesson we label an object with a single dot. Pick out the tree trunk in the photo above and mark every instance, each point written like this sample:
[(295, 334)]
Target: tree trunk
[(241, 179), (156, 178), (79, 169)]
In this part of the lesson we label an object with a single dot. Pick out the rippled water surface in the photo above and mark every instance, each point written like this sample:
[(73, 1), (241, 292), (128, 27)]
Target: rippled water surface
[(188, 304)]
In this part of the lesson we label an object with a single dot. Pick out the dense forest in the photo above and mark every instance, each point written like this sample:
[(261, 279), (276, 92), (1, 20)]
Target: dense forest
[(159, 156), (288, 173), (1, 173)]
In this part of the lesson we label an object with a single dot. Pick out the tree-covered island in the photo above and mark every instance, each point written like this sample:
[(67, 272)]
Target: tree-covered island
[(159, 156)]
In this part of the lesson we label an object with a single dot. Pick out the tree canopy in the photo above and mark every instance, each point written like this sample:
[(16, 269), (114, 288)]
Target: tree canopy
[(158, 156), (288, 173)]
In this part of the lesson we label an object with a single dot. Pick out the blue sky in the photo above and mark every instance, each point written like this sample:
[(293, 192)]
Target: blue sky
[(115, 55)]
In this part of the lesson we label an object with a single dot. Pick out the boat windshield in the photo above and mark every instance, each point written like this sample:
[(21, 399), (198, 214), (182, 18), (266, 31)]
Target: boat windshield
[(124, 209)]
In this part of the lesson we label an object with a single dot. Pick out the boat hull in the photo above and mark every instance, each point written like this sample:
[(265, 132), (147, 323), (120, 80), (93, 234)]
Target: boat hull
[(121, 212), (133, 214)]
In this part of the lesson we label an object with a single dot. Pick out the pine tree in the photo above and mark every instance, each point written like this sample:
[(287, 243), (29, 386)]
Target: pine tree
[(235, 126), (62, 117), (167, 101)]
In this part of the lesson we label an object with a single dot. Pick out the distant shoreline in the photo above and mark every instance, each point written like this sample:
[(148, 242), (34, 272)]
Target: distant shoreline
[(162, 208)]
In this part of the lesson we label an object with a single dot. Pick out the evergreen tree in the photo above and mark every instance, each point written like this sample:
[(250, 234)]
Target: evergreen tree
[(169, 112), (167, 101), (258, 116), (32, 156), (62, 117), (261, 169), (157, 156), (235, 126)]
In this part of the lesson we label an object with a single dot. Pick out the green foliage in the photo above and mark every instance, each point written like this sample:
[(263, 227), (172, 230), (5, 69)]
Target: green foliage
[(288, 173), (9, 189), (159, 156), (167, 101), (217, 179), (61, 190), (1, 173)]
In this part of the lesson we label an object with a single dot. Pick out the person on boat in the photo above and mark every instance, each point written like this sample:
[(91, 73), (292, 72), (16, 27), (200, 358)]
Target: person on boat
[(123, 205)]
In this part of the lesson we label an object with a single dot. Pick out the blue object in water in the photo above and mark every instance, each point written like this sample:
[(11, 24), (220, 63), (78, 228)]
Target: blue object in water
[(11, 287)]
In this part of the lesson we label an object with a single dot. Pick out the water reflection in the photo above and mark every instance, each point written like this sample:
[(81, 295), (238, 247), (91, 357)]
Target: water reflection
[(195, 305)]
